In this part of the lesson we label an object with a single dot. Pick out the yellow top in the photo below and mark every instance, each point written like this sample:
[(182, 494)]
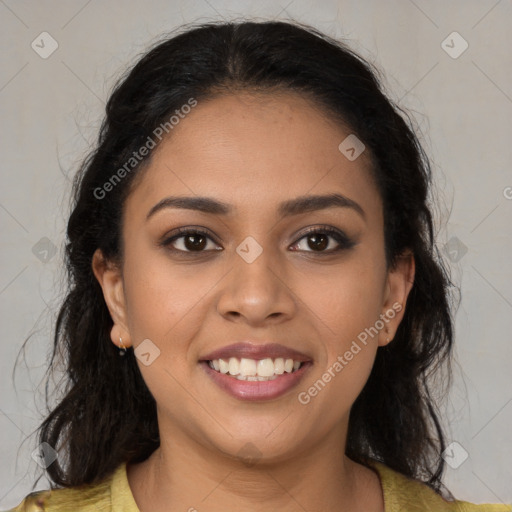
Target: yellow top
[(401, 494)]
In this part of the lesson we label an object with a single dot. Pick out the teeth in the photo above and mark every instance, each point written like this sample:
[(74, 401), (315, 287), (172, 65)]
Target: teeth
[(266, 367), (255, 378), (255, 370), (279, 366), (234, 366), (223, 365), (248, 367)]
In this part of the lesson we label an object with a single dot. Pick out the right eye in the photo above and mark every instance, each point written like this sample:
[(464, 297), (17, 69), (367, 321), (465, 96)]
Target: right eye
[(189, 240)]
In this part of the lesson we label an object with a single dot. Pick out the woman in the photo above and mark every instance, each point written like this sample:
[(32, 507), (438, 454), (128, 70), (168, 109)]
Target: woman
[(255, 298)]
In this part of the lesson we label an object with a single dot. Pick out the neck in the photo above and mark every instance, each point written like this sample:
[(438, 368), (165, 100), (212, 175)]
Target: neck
[(186, 475)]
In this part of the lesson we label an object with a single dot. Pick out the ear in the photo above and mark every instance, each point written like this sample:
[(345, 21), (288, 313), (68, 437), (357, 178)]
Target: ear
[(398, 285), (110, 279)]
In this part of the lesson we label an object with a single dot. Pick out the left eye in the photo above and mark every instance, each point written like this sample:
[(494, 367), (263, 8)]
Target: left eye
[(318, 240)]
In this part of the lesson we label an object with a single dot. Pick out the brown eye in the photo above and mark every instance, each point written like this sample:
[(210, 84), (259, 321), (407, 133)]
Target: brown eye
[(318, 241), (194, 242), (190, 240), (324, 240)]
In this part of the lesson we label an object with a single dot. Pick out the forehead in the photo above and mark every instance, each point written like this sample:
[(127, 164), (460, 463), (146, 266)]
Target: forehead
[(253, 150)]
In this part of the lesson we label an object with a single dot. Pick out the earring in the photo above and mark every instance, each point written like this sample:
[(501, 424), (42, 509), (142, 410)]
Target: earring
[(122, 350)]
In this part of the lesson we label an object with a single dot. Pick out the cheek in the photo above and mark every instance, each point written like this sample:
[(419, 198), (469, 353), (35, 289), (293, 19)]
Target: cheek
[(165, 307), (346, 304), (347, 299), (162, 303), (347, 351)]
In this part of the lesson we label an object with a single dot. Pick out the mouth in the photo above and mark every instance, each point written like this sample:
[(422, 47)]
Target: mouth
[(251, 370), (256, 380), (255, 370)]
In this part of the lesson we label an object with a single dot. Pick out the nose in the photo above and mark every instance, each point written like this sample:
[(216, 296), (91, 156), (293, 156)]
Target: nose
[(257, 292)]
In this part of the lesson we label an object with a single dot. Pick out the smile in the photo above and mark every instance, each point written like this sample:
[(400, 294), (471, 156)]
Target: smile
[(254, 370), (270, 379)]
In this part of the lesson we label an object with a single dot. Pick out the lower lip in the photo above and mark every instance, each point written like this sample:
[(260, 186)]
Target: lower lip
[(254, 390)]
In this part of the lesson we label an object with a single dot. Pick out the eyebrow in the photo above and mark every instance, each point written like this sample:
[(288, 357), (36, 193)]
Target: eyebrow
[(296, 206)]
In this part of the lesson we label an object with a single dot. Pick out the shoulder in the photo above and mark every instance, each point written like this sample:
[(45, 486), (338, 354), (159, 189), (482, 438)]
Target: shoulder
[(87, 498), (60, 500), (403, 494)]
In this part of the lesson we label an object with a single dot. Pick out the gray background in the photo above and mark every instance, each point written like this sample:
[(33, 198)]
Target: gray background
[(51, 109)]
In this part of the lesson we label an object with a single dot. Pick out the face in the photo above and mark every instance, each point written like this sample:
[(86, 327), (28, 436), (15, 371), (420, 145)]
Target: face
[(258, 266)]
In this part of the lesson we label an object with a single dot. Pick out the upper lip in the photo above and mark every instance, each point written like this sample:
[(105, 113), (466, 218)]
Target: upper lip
[(255, 351)]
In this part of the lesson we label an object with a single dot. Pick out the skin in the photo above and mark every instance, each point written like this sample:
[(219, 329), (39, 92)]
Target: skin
[(253, 151)]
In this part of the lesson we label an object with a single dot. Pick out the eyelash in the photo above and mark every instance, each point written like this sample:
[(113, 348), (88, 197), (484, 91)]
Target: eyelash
[(344, 242)]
